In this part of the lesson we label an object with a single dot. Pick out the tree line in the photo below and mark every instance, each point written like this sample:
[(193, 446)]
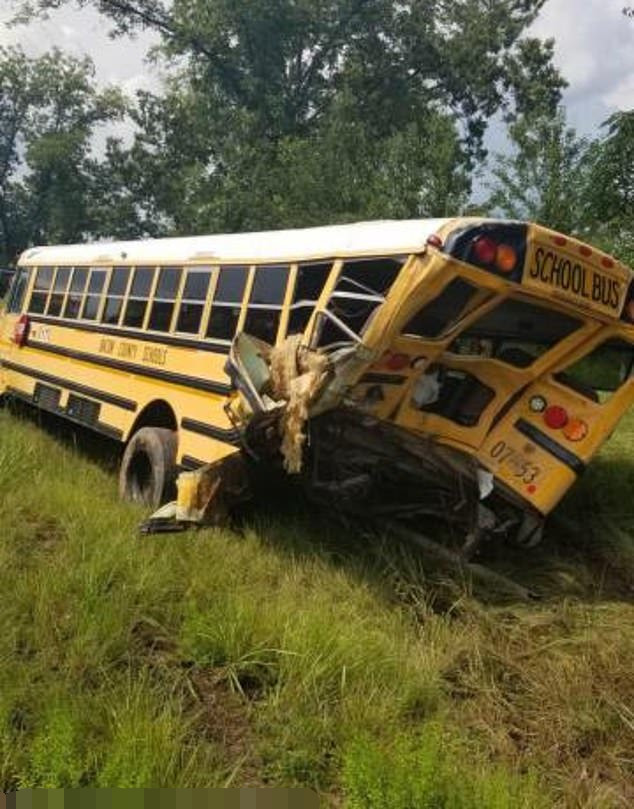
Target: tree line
[(284, 113)]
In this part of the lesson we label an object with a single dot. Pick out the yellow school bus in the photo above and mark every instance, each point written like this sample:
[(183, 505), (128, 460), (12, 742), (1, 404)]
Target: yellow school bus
[(466, 367)]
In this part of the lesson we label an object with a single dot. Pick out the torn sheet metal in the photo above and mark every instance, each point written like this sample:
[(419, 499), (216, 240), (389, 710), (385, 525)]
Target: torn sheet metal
[(297, 376), (205, 495)]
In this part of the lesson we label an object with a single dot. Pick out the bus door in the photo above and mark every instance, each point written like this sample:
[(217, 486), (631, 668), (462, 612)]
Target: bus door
[(550, 434)]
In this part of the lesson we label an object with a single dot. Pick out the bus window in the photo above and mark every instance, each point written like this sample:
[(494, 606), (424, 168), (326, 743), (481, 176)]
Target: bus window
[(41, 287), (193, 300), (311, 279), (93, 297), (444, 311), (601, 372), (227, 302), (265, 302), (116, 293), (136, 304), (309, 283), (453, 394), (18, 290), (164, 298), (372, 276), (60, 285), (75, 293), (6, 277), (360, 289), (515, 332)]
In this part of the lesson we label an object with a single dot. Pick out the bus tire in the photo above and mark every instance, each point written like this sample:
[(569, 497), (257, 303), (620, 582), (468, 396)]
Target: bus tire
[(148, 467)]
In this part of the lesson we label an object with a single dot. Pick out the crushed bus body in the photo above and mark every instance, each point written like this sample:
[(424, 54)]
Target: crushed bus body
[(464, 369)]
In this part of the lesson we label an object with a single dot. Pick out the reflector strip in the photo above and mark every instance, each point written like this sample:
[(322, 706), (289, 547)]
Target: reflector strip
[(545, 442)]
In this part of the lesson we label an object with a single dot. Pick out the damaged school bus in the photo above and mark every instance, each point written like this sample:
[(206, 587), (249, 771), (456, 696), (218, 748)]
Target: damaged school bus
[(462, 368)]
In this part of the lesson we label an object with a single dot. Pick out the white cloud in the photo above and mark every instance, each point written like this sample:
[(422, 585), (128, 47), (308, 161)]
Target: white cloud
[(83, 32), (621, 96), (594, 49)]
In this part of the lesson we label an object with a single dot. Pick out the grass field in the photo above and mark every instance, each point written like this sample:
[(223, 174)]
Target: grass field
[(286, 653)]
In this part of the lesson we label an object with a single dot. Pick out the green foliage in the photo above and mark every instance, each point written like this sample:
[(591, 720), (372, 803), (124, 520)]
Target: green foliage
[(545, 178), (609, 212), (576, 185), (297, 112), (292, 655), (54, 762), (49, 109), (429, 770)]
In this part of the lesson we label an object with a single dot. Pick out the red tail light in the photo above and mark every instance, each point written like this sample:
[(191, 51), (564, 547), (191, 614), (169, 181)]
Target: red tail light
[(484, 250), (21, 330), (496, 246), (555, 417)]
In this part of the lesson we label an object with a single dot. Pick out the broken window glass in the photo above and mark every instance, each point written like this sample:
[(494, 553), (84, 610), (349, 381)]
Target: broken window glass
[(360, 289)]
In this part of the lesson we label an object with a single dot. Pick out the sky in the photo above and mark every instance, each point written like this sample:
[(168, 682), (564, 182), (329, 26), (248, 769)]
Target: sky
[(594, 51)]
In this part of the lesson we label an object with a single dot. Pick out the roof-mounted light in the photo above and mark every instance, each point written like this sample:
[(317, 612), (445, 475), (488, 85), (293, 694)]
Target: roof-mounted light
[(499, 247)]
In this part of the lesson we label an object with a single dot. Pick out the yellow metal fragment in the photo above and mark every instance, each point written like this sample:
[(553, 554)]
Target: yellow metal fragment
[(206, 494)]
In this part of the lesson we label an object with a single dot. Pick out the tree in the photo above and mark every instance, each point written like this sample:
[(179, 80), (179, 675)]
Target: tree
[(610, 188), (544, 179), (49, 109), (290, 112)]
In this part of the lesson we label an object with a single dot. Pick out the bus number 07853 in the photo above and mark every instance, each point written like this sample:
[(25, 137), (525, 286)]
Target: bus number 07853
[(520, 467)]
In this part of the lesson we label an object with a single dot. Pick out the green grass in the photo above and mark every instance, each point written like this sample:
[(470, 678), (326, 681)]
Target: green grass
[(289, 654)]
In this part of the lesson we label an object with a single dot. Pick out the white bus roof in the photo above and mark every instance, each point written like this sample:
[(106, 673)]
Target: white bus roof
[(376, 238)]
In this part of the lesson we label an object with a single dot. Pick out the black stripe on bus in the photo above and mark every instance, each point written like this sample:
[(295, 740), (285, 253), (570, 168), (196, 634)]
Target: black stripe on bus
[(231, 436), (115, 331), (98, 426), (93, 393), (189, 464), (164, 376), (382, 379), (545, 442)]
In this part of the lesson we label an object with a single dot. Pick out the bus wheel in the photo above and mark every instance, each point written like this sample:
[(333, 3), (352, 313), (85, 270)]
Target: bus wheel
[(148, 467)]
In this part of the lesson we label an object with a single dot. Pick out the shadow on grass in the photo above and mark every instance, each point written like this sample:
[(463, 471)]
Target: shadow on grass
[(100, 450), (587, 552)]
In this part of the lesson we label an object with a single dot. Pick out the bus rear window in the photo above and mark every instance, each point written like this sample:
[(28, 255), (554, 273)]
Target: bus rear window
[(515, 332), (601, 372)]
